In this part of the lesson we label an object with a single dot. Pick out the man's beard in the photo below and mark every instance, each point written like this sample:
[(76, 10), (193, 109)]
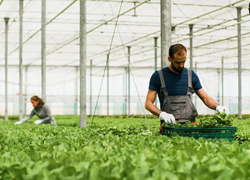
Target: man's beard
[(178, 70)]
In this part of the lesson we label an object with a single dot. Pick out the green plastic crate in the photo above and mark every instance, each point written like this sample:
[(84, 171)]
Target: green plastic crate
[(197, 132)]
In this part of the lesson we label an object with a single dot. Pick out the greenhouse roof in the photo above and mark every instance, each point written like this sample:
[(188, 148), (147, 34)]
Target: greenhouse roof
[(138, 23)]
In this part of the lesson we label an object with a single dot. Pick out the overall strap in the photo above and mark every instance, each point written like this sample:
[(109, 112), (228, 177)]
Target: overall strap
[(190, 89), (163, 86)]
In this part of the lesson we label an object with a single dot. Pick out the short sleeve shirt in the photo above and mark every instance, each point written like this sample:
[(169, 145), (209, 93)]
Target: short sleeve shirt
[(176, 84)]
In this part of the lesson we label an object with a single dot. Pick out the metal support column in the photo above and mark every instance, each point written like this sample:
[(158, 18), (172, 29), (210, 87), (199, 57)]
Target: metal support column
[(134, 10), (108, 84), (239, 64), (191, 45), (195, 99), (90, 91), (6, 67), (64, 98), (166, 33), (191, 51), (155, 46), (43, 50), (222, 80), (129, 48), (83, 117), (219, 85), (20, 59), (76, 92), (25, 91), (125, 88)]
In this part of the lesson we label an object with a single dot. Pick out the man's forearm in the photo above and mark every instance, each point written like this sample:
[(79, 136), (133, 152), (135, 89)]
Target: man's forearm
[(153, 109), (207, 100), (211, 103)]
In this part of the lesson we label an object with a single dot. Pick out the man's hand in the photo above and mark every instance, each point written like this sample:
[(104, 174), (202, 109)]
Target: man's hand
[(168, 118), (18, 122), (222, 109), (38, 122)]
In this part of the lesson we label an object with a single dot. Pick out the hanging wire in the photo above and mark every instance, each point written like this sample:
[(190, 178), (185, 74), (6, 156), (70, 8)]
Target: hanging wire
[(139, 97), (125, 52), (107, 61)]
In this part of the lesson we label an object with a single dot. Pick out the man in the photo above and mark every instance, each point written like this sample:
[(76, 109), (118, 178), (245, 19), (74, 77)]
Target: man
[(174, 86)]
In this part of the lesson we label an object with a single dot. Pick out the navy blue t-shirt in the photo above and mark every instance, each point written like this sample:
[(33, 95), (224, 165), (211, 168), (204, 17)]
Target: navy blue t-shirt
[(176, 84)]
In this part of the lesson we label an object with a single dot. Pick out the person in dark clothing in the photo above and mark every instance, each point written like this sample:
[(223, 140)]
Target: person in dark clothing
[(174, 86)]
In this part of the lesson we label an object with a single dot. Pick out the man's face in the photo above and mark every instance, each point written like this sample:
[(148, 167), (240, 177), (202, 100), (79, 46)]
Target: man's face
[(177, 64)]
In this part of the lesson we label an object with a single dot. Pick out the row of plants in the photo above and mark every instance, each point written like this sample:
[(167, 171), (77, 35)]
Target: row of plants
[(117, 148), (124, 116)]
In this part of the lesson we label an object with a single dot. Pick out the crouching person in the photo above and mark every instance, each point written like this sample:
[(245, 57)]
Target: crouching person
[(41, 110)]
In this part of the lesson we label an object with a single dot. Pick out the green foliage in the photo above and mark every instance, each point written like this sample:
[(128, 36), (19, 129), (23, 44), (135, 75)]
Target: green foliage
[(187, 124), (217, 120), (116, 148), (243, 133)]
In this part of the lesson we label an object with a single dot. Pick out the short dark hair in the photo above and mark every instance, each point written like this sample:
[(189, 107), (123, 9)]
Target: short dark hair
[(36, 98), (175, 48)]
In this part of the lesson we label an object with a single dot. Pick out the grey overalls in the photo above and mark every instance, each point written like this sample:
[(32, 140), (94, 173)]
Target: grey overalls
[(180, 106)]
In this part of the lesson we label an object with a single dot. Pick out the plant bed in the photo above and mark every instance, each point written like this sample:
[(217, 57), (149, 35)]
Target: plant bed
[(197, 132)]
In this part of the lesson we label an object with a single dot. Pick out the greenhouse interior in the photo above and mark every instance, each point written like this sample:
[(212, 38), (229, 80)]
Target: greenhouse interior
[(123, 49), (79, 82)]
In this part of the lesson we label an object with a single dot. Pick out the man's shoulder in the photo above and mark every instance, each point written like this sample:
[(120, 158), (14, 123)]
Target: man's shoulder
[(192, 71), (165, 69), (185, 70)]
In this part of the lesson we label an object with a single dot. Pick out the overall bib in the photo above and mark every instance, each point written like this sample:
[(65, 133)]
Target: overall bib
[(181, 107)]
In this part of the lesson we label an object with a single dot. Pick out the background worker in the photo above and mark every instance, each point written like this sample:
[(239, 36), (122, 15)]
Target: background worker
[(174, 86), (41, 110)]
